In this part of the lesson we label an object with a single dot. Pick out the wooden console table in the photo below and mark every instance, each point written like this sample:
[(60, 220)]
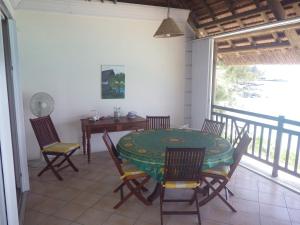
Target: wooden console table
[(90, 127)]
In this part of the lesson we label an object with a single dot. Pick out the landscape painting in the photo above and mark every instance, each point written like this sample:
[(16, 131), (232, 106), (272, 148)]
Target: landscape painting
[(113, 81)]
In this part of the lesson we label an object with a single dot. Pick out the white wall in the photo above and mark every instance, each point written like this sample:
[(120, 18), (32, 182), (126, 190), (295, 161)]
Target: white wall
[(202, 68), (61, 54)]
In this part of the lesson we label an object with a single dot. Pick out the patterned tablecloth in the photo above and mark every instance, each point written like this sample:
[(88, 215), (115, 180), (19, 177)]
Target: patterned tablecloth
[(146, 149)]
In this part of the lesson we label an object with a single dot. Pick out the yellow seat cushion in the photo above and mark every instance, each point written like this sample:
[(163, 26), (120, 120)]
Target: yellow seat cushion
[(61, 147), (130, 170), (181, 184), (221, 170)]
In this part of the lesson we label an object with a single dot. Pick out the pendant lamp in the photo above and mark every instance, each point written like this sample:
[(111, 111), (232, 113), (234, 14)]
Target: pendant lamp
[(168, 28)]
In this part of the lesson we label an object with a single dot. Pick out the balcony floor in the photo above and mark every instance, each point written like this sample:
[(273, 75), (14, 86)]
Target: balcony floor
[(86, 198)]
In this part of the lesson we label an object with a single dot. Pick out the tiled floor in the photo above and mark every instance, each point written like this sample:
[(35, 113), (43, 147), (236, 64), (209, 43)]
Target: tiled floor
[(86, 198)]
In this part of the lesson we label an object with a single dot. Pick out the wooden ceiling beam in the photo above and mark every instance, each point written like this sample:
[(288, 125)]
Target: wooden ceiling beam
[(250, 48), (279, 13), (261, 32), (234, 17)]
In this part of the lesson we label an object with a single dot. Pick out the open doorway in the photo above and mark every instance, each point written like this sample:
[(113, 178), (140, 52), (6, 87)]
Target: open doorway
[(256, 86)]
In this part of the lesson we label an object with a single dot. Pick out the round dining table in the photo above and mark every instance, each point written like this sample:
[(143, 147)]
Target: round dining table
[(146, 149)]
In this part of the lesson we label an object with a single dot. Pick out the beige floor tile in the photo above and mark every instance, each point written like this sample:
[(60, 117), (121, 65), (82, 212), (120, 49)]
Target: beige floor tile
[(93, 217), (245, 205), (294, 215), (243, 218), (246, 194), (267, 186), (34, 218), (270, 221), (34, 199), (87, 199), (142, 222), (221, 215), (79, 184), (152, 214), (64, 194), (133, 208), (272, 199), (51, 220), (274, 212), (107, 203), (210, 222), (71, 211), (293, 201), (182, 219), (50, 206), (116, 219)]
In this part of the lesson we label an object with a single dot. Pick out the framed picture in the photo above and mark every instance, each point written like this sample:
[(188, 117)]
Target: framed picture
[(112, 81)]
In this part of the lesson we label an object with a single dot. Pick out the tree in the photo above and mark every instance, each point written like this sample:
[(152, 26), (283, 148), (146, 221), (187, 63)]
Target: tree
[(237, 81)]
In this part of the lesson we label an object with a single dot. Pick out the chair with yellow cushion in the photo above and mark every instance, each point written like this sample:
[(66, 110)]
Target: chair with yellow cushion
[(220, 176), (129, 175), (50, 145), (182, 171)]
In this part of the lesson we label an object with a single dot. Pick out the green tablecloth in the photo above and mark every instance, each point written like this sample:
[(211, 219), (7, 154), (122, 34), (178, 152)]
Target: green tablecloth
[(146, 149)]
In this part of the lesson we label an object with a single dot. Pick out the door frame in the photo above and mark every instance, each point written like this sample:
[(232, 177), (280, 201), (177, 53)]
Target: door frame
[(6, 143)]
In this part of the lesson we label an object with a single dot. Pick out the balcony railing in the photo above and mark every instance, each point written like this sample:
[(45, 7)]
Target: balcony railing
[(275, 140)]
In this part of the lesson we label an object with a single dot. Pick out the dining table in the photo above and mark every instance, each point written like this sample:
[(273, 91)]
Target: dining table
[(146, 150)]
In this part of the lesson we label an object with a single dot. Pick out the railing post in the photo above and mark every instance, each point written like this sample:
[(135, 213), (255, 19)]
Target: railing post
[(278, 146)]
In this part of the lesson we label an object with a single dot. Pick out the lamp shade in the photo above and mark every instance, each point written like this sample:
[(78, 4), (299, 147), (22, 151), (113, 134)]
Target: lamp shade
[(168, 28)]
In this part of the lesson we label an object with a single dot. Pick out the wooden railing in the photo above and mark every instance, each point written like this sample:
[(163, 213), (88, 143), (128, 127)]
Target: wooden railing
[(276, 140)]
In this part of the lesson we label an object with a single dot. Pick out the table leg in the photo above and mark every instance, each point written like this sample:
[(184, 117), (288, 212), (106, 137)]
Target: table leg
[(155, 194), (88, 148), (84, 143)]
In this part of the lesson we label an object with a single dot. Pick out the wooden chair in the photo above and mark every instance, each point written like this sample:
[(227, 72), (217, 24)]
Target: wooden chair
[(212, 127), (182, 170), (128, 174), (221, 176), (158, 122), (50, 145)]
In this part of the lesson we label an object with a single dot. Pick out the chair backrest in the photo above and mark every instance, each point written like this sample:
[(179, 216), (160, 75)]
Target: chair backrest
[(239, 152), (240, 133), (183, 164), (212, 127), (158, 122), (44, 131), (113, 152)]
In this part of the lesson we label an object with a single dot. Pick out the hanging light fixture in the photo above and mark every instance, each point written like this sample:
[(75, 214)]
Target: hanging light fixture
[(168, 28)]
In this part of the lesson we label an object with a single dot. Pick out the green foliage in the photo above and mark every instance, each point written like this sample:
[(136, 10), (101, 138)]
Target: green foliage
[(117, 84), (236, 82)]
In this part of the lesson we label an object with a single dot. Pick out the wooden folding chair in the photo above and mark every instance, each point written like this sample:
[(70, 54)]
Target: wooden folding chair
[(50, 145), (221, 176), (182, 170), (129, 175), (157, 122), (212, 127)]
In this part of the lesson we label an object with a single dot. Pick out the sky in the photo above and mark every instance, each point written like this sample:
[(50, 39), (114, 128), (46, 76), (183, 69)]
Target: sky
[(281, 97)]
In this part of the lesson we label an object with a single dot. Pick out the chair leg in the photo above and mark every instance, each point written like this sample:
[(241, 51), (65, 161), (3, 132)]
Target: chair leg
[(137, 190), (216, 192), (162, 194), (144, 189), (133, 191), (197, 206), (118, 188), (229, 191), (50, 166), (67, 158)]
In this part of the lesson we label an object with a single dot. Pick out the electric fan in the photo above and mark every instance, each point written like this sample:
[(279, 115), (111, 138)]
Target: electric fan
[(41, 104)]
